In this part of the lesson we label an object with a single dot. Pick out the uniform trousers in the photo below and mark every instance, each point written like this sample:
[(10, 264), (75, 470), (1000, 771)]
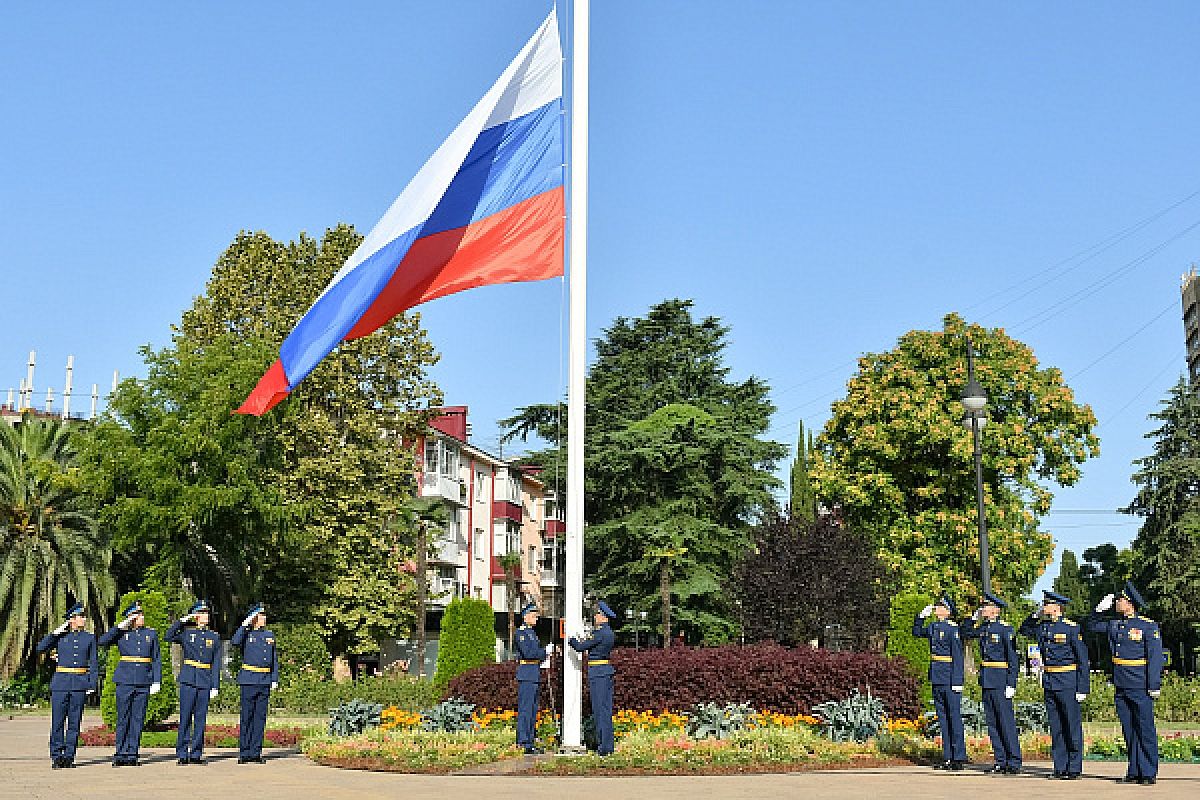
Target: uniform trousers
[(527, 708), (1002, 728), (66, 710), (131, 718), (193, 715), (600, 688), (1066, 730), (1135, 709), (948, 704), (255, 698)]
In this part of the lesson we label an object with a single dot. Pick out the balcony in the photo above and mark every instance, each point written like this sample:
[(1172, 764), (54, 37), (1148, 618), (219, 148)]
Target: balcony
[(449, 551), (506, 509), (452, 490), (554, 528), (443, 590)]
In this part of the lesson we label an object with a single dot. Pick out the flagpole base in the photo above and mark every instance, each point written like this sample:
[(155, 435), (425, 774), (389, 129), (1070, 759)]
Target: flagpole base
[(572, 750)]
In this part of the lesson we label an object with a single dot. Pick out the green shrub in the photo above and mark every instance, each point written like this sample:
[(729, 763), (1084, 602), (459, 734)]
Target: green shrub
[(302, 652), (449, 716), (709, 720), (351, 719), (308, 694), (857, 718), (161, 705), (901, 642), (468, 638), (25, 690), (1031, 717)]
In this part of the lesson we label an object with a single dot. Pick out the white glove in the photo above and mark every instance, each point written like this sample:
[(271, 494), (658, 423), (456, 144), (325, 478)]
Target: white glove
[(212, 694), (926, 611), (956, 689), (186, 618), (1155, 692), (274, 685), (248, 621), (91, 692), (1010, 692), (1079, 698), (155, 688), (1105, 604), (61, 629), (550, 649), (125, 623), (975, 616)]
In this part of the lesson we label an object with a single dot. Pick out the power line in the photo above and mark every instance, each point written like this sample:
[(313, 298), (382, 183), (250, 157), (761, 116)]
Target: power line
[(1124, 341)]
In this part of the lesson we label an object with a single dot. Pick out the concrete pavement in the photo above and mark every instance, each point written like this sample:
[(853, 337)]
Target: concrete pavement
[(25, 773)]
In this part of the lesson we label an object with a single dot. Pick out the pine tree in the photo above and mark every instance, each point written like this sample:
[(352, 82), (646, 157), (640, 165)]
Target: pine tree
[(1070, 583)]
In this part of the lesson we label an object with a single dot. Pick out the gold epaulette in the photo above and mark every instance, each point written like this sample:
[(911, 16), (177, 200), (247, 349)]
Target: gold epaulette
[(1070, 622)]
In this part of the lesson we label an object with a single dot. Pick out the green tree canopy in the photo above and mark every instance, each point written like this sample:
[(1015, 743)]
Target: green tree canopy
[(301, 507), (897, 463), (1071, 583), (51, 551), (1166, 552)]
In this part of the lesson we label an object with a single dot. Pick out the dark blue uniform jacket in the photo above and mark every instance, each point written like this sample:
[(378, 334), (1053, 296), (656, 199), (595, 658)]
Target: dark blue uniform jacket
[(201, 655), (260, 662), (597, 646), (999, 665), (1137, 650), (945, 650), (1064, 655), (140, 663), (75, 670), (530, 649)]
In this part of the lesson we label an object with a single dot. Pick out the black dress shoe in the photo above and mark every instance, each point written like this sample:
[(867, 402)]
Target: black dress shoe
[(244, 760), (957, 766), (534, 751), (1012, 770), (1147, 781), (1074, 776), (56, 763), (199, 761), (259, 760), (1129, 779), (69, 763), (943, 765), (183, 762), (995, 769), (1058, 775)]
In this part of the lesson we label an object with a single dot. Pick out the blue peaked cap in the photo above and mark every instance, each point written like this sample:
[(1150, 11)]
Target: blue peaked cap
[(201, 605), (1131, 594), (994, 600), (134, 608), (74, 611), (1055, 597), (947, 602), (529, 608), (603, 608)]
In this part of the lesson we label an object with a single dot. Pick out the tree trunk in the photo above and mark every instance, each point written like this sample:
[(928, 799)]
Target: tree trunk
[(422, 580), (510, 588), (664, 588)]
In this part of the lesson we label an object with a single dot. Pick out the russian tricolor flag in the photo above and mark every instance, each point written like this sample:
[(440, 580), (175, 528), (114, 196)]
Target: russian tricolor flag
[(486, 208)]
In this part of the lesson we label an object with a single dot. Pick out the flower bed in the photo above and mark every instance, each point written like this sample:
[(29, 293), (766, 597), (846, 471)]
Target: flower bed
[(412, 751), (1177, 747), (214, 736)]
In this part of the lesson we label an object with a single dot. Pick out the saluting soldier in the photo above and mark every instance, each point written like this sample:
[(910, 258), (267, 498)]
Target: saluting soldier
[(199, 679), (258, 676), (1065, 681), (529, 677), (1137, 654), (998, 671), (946, 676), (137, 676), (74, 679), (600, 676)]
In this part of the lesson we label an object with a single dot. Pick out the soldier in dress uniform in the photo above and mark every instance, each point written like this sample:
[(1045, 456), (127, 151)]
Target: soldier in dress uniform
[(600, 675), (1065, 680), (74, 679), (529, 677), (1137, 654), (199, 679), (137, 676), (946, 676), (998, 671), (258, 676)]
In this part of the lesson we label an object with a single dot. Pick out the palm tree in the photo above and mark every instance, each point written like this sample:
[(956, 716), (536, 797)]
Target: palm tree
[(51, 551), (430, 514)]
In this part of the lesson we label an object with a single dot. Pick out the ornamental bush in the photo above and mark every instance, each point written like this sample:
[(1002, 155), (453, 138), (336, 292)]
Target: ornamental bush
[(468, 638), (902, 644), (302, 652), (768, 676), (161, 705)]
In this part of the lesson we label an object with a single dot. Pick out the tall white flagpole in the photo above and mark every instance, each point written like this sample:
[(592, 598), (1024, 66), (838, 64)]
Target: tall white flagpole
[(572, 730)]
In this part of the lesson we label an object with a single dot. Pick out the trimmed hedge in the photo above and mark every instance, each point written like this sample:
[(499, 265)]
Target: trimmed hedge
[(902, 644), (768, 676), (158, 706), (468, 638), (302, 652)]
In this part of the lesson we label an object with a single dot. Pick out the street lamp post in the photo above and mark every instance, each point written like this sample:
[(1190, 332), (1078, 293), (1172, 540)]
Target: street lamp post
[(974, 401), (633, 618)]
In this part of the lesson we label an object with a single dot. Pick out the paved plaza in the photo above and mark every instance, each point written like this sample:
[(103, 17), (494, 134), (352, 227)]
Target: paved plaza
[(25, 773)]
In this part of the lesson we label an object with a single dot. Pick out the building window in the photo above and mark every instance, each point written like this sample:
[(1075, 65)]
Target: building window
[(449, 461), (533, 558), (513, 538), (481, 486), (478, 592), (551, 507), (477, 545), (548, 552), (431, 455)]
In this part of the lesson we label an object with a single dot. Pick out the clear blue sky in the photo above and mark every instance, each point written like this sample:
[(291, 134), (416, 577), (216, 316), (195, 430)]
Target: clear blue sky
[(823, 177)]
